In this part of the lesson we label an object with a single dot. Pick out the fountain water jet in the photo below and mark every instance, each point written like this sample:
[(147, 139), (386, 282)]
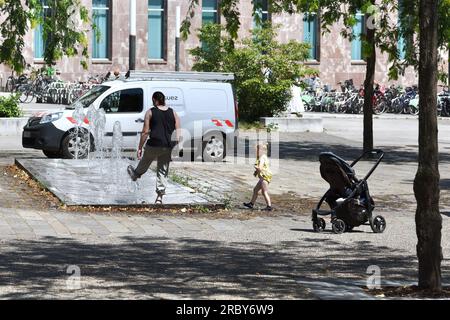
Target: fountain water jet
[(100, 122), (78, 115), (91, 116)]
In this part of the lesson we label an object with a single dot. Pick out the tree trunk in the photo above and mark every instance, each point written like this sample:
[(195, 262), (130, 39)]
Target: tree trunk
[(426, 182), (368, 91)]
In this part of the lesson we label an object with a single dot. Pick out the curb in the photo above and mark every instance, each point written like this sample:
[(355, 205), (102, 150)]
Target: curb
[(12, 126)]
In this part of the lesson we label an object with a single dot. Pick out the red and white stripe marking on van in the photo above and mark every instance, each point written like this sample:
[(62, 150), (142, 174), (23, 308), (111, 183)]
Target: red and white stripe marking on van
[(71, 119), (218, 123)]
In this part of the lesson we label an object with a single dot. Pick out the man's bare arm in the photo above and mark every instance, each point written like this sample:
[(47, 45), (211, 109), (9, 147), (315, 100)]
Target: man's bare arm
[(145, 129)]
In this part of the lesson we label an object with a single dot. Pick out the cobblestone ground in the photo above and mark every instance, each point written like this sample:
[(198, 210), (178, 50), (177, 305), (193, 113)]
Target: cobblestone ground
[(213, 255)]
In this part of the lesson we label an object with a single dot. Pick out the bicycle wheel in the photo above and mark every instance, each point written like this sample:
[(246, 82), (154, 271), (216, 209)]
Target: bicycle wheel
[(30, 97), (414, 110), (358, 109), (23, 94), (10, 83), (379, 107)]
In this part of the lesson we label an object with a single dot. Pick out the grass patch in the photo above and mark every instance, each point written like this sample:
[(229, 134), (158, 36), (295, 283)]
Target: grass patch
[(255, 125), (184, 181)]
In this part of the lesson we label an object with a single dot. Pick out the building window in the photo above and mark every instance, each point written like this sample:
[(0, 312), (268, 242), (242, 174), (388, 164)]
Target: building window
[(156, 29), (401, 48), (39, 42), (311, 34), (401, 43), (260, 12), (101, 17), (209, 11), (358, 30)]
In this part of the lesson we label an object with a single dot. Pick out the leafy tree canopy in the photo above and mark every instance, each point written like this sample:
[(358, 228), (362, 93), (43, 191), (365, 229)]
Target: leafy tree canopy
[(62, 23)]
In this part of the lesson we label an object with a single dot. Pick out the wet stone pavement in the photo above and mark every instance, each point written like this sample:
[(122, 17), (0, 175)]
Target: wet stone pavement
[(103, 183)]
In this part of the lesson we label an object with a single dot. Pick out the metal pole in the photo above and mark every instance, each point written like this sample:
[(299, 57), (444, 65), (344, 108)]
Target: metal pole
[(177, 40), (132, 44)]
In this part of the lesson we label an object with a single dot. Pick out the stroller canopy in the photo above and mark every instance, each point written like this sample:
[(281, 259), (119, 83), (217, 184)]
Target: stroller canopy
[(338, 173)]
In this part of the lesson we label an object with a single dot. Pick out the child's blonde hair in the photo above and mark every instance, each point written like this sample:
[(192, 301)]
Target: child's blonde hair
[(261, 146)]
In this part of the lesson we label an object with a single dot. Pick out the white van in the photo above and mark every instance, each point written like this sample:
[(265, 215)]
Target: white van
[(204, 102)]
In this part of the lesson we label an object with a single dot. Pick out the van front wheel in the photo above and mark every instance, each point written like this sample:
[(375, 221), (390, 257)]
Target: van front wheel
[(75, 145), (214, 147)]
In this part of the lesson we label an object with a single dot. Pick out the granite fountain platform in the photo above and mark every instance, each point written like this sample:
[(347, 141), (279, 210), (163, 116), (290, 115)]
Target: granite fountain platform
[(106, 183)]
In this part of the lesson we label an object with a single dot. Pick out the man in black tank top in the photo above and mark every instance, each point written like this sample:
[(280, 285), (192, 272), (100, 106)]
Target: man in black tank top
[(159, 126)]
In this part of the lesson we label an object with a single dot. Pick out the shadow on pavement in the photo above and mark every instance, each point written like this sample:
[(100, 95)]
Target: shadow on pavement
[(189, 268), (444, 184), (309, 149), (300, 150)]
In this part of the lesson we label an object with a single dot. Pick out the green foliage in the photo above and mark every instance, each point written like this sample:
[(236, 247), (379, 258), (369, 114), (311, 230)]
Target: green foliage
[(186, 23), (13, 30), (264, 69), (184, 181), (255, 125), (9, 107), (272, 127), (62, 30), (211, 54)]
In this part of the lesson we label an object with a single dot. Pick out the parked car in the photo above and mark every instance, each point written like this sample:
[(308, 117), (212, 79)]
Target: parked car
[(204, 102)]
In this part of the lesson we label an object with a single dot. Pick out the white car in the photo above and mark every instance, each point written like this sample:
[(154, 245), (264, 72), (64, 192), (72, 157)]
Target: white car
[(204, 102)]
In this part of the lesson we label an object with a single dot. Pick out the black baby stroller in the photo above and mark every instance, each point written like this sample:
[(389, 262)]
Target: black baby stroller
[(349, 199)]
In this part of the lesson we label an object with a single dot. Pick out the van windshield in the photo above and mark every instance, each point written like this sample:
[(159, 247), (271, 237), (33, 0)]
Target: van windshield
[(89, 97)]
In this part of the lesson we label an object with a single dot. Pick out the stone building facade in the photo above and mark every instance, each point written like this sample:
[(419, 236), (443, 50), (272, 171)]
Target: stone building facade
[(156, 20)]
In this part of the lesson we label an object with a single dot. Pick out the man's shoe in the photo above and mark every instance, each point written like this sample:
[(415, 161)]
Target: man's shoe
[(268, 208), (248, 205), (131, 173)]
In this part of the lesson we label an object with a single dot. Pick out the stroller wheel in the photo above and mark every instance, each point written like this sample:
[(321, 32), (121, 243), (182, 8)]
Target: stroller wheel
[(378, 224), (338, 226), (348, 228), (319, 225)]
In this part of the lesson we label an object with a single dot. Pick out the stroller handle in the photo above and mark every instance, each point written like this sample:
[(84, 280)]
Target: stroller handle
[(377, 152)]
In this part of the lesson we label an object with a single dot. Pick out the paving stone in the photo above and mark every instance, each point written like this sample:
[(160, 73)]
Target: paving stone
[(6, 230), (59, 227), (131, 226), (44, 231), (76, 229), (154, 230), (220, 225), (21, 228), (30, 215), (113, 226)]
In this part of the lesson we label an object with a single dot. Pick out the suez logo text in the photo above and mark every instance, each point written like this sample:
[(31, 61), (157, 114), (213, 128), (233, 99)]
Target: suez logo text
[(171, 98), (231, 309)]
